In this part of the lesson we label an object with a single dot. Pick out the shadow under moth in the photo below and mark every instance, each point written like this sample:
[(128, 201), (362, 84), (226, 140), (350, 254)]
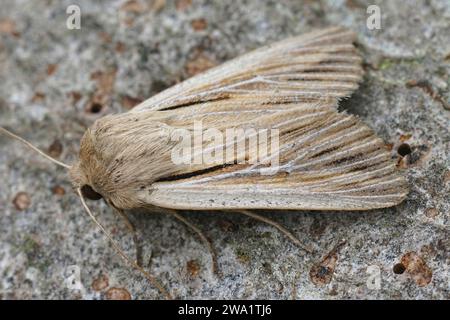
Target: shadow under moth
[(325, 159)]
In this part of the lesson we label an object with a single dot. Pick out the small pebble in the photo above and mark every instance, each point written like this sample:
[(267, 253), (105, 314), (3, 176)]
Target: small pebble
[(101, 283), (58, 190), (193, 268), (118, 294), (55, 149), (22, 201)]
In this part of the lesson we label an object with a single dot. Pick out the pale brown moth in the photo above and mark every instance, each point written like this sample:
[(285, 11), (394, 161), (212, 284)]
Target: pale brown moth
[(328, 160)]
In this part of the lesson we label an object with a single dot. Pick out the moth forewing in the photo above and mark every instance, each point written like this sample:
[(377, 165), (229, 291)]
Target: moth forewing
[(325, 160), (337, 165)]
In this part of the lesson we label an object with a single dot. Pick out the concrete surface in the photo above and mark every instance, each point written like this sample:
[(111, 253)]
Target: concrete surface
[(54, 81)]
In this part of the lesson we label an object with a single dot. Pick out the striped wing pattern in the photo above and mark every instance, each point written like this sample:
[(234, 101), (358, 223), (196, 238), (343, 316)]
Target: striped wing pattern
[(328, 160)]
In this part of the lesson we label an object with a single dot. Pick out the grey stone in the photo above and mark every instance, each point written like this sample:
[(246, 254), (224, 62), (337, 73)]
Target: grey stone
[(50, 75)]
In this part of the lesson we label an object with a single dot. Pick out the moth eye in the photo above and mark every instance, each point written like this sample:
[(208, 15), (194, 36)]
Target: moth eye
[(90, 193)]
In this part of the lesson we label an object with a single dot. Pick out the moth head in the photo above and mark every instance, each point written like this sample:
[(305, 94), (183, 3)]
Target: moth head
[(81, 181), (88, 174), (119, 159)]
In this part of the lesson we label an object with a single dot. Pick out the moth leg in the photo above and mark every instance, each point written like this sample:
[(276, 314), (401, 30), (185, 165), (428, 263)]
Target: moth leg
[(132, 229), (202, 236), (283, 230)]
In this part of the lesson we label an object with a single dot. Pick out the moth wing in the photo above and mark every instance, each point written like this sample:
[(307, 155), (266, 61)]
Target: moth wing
[(321, 65), (327, 161)]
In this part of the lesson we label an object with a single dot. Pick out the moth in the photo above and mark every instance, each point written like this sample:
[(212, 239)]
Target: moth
[(326, 160)]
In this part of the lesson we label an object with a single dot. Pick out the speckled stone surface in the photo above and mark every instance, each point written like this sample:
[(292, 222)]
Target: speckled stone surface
[(55, 82)]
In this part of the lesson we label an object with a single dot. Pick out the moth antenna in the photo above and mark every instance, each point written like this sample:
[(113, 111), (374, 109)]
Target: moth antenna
[(29, 145), (148, 276)]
